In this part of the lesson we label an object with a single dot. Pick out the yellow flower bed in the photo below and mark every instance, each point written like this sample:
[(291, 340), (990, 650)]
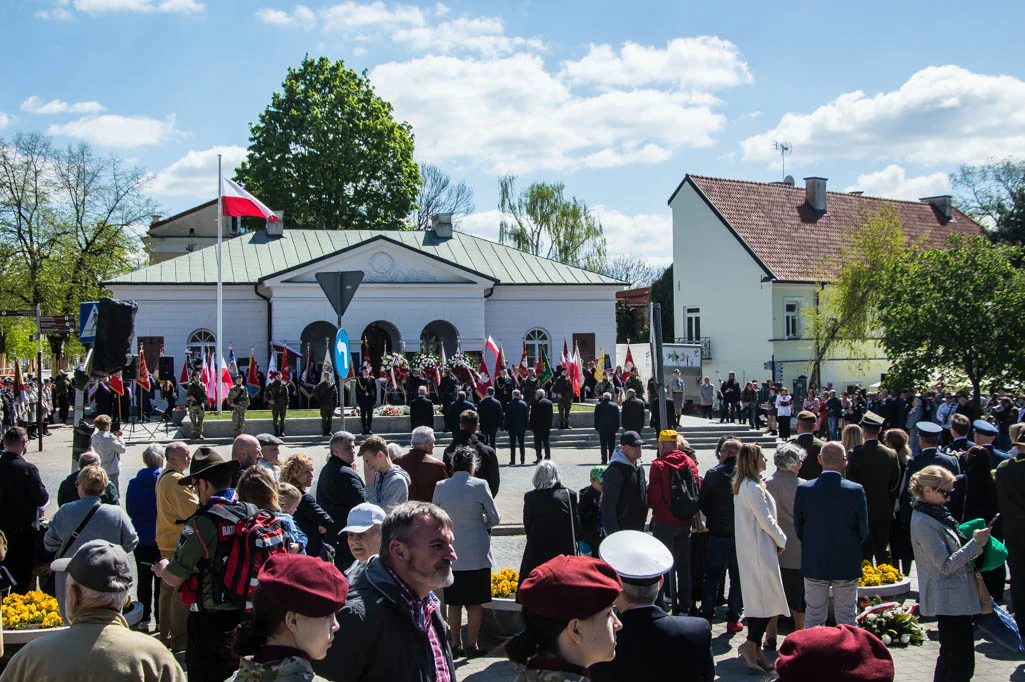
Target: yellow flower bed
[(504, 583), (883, 574), (30, 611)]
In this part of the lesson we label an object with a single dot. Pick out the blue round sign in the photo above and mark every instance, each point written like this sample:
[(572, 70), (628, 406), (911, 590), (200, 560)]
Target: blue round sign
[(341, 350)]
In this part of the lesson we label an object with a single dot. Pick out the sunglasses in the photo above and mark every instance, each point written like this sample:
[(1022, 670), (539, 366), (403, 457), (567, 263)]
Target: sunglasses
[(946, 492)]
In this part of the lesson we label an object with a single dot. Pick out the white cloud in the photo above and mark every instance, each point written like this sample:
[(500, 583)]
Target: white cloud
[(111, 130), (195, 174), (4, 120), (702, 62), (485, 35), (893, 182), (353, 16), (482, 224), (359, 51), (301, 17), (941, 114), (36, 105), (62, 9), (54, 14), (512, 115)]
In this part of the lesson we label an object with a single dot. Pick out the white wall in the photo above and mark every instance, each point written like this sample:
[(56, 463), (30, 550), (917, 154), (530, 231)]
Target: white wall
[(713, 271)]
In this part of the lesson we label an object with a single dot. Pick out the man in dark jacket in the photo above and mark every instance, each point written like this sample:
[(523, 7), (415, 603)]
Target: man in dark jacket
[(339, 489), (456, 408), (717, 506), (633, 412), (421, 410), (22, 493), (68, 490), (1010, 483), (562, 390), (606, 423), (448, 387), (877, 469), (624, 503), (541, 413), (504, 386), (810, 468), (391, 627), (487, 465), (490, 412), (516, 416)]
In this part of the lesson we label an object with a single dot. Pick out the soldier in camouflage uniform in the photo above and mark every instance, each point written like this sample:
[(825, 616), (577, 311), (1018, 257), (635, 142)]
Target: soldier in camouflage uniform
[(564, 387), (238, 401), (635, 383), (278, 394), (195, 396), (327, 399), (529, 386)]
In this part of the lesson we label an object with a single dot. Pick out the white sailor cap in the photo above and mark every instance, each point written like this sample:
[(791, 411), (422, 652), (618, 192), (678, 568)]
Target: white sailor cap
[(984, 426), (928, 427), (637, 557)]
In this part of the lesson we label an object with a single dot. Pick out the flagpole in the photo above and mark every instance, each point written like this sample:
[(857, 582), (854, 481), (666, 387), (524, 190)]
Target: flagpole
[(220, 292)]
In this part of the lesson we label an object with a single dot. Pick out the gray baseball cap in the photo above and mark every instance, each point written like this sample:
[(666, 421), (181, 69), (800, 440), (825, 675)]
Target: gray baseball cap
[(99, 565)]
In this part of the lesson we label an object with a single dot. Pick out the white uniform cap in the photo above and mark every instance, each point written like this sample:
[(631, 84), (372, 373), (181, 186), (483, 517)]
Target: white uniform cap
[(928, 427), (637, 557)]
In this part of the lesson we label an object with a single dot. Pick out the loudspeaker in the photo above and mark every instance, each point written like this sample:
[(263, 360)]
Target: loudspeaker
[(166, 369), (115, 327), (80, 381), (131, 370)]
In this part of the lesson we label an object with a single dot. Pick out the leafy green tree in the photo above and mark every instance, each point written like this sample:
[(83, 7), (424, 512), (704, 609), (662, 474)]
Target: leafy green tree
[(329, 153), (662, 292), (542, 221), (956, 309), (994, 195)]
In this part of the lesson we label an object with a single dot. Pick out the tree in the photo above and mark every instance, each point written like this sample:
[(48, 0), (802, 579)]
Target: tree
[(437, 194), (662, 292), (541, 221), (627, 328), (69, 219), (328, 152), (994, 195), (956, 309), (631, 269)]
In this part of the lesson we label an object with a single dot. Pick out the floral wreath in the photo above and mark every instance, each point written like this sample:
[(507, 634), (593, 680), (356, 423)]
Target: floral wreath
[(396, 362), (893, 624), (424, 361)]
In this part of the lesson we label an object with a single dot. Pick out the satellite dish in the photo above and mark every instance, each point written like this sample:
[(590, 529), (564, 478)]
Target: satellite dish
[(789, 180)]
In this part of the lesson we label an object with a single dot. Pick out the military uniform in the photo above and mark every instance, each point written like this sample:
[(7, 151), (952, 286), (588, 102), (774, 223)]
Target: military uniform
[(195, 395), (564, 388), (504, 388), (238, 400), (278, 394), (327, 399), (529, 388), (291, 669), (636, 384), (366, 398)]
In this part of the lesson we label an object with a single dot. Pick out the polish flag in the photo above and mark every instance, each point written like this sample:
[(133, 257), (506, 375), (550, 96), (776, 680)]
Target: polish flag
[(206, 375), (226, 380), (238, 202), (186, 369)]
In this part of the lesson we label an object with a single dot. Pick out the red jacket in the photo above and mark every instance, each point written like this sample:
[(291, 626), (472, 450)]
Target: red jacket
[(658, 486)]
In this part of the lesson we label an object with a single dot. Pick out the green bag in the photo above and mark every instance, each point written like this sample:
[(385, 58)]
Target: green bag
[(994, 554)]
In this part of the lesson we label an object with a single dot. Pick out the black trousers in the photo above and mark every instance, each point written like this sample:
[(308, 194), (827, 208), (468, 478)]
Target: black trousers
[(62, 408), (21, 552), (366, 417), (756, 629), (876, 544), (956, 662), (541, 440), (564, 410), (325, 421), (608, 446), (514, 438), (149, 583), (489, 436), (783, 425), (208, 654)]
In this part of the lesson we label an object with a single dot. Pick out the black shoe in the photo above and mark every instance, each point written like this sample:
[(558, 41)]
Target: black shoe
[(457, 652), (537, 461), (512, 462)]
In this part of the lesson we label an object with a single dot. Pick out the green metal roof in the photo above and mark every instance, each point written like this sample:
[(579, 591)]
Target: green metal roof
[(255, 257)]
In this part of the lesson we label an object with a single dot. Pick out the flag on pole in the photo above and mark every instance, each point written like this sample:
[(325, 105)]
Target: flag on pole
[(307, 380), (144, 375), (285, 375), (441, 366), (628, 364), (185, 368), (327, 370), (205, 375), (19, 380), (491, 346), (599, 367), (238, 202), (483, 382), (116, 384), (272, 368), (578, 375), (253, 377), (521, 370), (226, 380), (366, 357), (232, 362), (565, 355), (546, 373)]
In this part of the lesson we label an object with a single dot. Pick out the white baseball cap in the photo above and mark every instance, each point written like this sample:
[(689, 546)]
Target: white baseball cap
[(363, 517)]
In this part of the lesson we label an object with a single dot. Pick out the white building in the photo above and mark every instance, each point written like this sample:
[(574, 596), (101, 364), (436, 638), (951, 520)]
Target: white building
[(747, 262), (419, 289)]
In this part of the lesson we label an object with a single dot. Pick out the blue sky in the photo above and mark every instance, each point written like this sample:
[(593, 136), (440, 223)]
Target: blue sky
[(617, 100)]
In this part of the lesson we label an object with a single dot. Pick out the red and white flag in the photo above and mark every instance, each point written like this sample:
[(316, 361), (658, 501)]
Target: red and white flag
[(524, 365), (186, 369), (226, 382), (235, 201), (206, 374), (272, 368), (483, 381), (491, 346)]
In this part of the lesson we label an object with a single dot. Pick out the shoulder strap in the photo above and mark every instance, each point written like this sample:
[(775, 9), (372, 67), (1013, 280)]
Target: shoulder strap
[(78, 531)]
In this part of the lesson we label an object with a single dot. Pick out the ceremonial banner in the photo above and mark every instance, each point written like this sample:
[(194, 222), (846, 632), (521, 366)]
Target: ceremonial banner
[(207, 377), (285, 375), (599, 367), (253, 376), (226, 381), (577, 376), (628, 364), (483, 381), (186, 369), (546, 373), (521, 370), (327, 371), (116, 384), (272, 368), (144, 376), (232, 362), (565, 356)]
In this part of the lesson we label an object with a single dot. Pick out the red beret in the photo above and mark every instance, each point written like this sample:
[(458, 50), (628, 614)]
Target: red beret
[(840, 654), (568, 587), (303, 584)]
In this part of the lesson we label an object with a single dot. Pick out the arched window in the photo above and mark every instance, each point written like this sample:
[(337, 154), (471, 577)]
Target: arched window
[(201, 343), (437, 334), (536, 339)]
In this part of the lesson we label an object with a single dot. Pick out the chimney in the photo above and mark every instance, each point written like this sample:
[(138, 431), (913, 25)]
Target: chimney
[(815, 193), (441, 224), (942, 205), (155, 218), (277, 229)]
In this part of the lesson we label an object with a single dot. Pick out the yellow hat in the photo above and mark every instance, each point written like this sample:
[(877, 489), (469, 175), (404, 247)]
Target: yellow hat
[(667, 435)]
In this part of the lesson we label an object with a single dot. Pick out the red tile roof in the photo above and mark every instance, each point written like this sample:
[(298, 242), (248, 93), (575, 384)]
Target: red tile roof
[(777, 226)]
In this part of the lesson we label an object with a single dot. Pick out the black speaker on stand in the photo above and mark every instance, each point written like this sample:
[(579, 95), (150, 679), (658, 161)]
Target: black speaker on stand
[(115, 327)]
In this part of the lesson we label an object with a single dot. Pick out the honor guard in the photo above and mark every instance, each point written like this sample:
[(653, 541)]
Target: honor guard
[(327, 400), (278, 393), (366, 398), (238, 401), (986, 435), (195, 396), (448, 387), (563, 388), (529, 386), (504, 386)]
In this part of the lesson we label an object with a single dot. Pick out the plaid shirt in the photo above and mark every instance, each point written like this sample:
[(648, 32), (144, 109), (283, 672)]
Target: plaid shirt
[(420, 612)]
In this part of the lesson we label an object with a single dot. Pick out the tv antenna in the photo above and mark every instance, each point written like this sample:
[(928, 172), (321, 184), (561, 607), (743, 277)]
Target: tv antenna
[(783, 148)]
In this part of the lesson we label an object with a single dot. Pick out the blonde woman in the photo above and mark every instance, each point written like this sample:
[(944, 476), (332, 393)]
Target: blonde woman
[(760, 540), (312, 520), (852, 437)]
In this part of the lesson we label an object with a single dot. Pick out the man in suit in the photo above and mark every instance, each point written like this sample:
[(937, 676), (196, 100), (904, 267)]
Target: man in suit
[(633, 412), (831, 520), (366, 398), (606, 423), (421, 410), (339, 489), (806, 422), (490, 412), (1010, 483), (456, 408), (652, 645), (541, 413), (516, 416), (876, 468)]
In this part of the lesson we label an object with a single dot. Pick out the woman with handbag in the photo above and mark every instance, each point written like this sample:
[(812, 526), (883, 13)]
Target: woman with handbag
[(947, 584), (551, 519)]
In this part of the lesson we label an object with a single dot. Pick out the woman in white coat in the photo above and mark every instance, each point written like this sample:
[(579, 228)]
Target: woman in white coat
[(759, 541)]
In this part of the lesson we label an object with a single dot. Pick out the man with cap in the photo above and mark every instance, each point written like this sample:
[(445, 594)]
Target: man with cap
[(1010, 484), (196, 399), (590, 512), (876, 468), (664, 647), (278, 393), (624, 488), (986, 434), (366, 398), (928, 440), (845, 653), (363, 531), (327, 400), (99, 643), (810, 467), (238, 401), (270, 453), (562, 388), (212, 621)]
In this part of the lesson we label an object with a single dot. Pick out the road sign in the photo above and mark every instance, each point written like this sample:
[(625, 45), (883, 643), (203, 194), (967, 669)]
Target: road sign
[(60, 324), (17, 313), (88, 314), (342, 358), (340, 287)]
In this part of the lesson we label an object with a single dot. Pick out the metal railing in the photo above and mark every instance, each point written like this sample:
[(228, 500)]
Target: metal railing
[(706, 345)]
